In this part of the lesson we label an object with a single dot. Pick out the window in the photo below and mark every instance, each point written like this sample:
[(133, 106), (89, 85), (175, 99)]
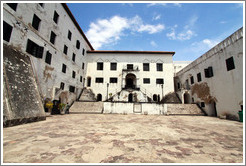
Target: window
[(191, 80), (69, 35), (202, 104), (35, 22), (41, 4), (113, 80), (178, 84), (52, 37), (146, 81), (199, 77), (73, 58), (7, 30), (55, 17), (71, 89), (81, 78), (74, 74), (159, 81), (65, 49), (159, 67), (99, 80), (230, 64), (113, 66), (146, 67), (83, 65), (83, 52), (64, 67), (77, 44), (208, 72), (62, 85), (129, 66), (34, 49), (187, 84), (48, 57), (12, 5), (99, 65), (88, 81)]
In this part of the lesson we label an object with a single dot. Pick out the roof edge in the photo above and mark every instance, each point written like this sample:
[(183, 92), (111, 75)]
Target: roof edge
[(135, 52), (76, 24)]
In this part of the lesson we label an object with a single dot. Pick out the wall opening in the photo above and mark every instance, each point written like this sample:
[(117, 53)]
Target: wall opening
[(88, 81), (99, 97), (155, 97), (130, 98), (186, 98), (130, 81)]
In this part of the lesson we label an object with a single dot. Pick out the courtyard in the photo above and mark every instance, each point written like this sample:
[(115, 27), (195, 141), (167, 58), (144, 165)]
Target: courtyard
[(114, 138)]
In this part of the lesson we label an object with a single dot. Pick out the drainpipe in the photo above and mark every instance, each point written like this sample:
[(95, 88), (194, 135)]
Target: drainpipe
[(107, 90)]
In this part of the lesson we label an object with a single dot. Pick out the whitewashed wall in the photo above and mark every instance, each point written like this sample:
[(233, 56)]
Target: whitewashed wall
[(49, 76), (225, 86), (122, 59)]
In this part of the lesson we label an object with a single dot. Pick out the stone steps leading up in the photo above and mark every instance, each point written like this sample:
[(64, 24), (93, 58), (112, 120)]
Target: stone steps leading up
[(86, 107), (184, 109)]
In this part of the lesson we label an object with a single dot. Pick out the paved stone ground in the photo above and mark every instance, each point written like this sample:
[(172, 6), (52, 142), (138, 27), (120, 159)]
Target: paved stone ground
[(107, 138)]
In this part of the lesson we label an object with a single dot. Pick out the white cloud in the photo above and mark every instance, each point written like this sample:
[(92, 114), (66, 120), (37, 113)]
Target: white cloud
[(164, 4), (187, 32), (153, 43), (191, 22), (223, 22), (185, 35), (156, 17), (177, 4), (203, 46), (151, 28), (108, 31), (156, 4)]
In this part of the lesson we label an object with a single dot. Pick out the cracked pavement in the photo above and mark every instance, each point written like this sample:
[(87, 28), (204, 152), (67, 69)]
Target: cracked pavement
[(114, 138)]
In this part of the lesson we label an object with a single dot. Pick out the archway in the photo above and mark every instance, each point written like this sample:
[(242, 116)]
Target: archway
[(130, 81), (186, 98), (154, 97), (130, 97), (99, 97), (88, 81)]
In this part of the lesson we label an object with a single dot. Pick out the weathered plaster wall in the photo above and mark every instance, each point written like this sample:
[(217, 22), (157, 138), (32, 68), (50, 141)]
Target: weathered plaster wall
[(137, 60), (48, 76), (21, 100), (225, 88)]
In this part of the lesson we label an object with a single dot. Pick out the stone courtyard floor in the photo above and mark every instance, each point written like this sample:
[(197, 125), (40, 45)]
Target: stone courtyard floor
[(112, 138)]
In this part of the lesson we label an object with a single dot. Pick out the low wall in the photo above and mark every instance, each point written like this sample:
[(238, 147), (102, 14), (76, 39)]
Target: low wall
[(134, 108)]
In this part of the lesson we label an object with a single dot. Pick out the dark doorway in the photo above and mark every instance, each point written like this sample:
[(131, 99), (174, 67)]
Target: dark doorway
[(88, 81), (214, 108), (130, 81), (158, 98), (186, 98), (130, 97), (99, 97), (155, 97)]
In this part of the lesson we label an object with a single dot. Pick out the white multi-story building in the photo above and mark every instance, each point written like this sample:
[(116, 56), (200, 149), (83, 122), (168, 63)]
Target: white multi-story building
[(138, 76), (57, 46), (215, 80)]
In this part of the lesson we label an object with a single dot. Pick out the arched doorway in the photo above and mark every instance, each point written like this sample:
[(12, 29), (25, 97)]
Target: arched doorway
[(130, 97), (99, 97), (186, 98), (158, 98), (130, 81), (154, 97)]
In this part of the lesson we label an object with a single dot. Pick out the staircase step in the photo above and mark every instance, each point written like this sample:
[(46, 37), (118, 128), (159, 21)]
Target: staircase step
[(86, 107), (184, 109)]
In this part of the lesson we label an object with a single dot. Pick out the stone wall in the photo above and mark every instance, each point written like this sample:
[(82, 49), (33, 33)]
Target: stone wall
[(21, 99)]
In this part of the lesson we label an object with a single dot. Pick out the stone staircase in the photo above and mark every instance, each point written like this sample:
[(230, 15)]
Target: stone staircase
[(81, 107), (184, 109), (87, 95)]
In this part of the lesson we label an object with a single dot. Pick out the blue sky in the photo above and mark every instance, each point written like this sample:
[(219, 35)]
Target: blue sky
[(189, 29)]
